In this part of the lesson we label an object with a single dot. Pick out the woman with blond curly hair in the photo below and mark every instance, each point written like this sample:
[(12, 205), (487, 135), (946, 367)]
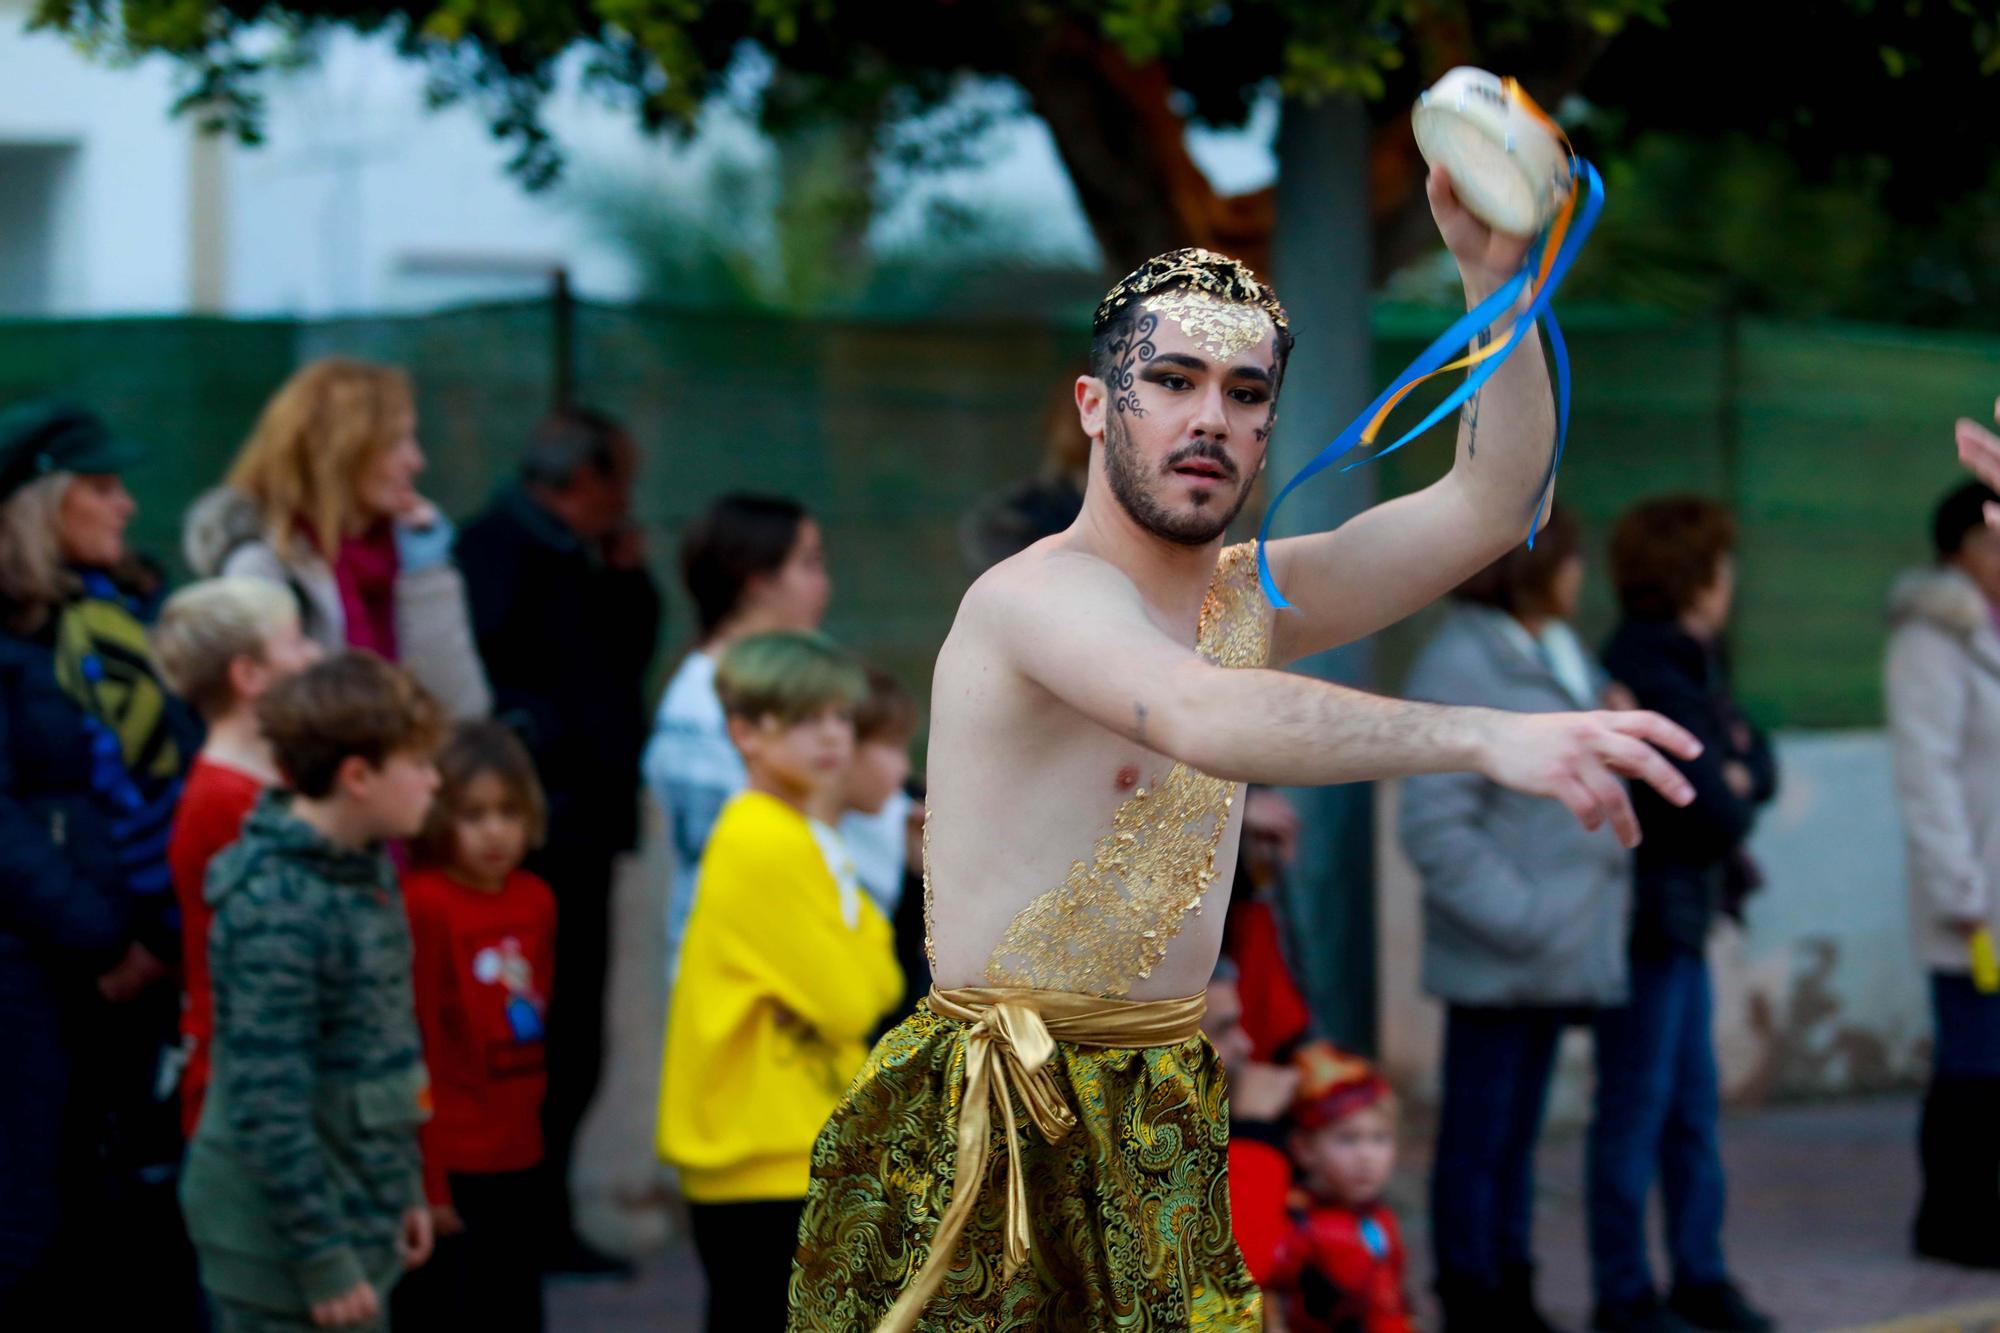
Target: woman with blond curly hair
[(322, 498)]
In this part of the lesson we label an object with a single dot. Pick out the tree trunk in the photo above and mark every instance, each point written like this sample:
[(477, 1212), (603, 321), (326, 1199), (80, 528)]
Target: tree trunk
[(1321, 264), (1125, 147)]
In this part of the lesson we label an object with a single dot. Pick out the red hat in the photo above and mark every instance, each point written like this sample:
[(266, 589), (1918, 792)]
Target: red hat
[(1333, 1084)]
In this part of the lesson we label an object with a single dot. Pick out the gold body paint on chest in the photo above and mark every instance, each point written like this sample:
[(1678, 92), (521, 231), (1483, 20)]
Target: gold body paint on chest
[(1110, 922)]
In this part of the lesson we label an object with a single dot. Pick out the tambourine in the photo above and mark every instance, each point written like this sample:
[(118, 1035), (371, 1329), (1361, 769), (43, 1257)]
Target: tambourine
[(1509, 163), (1512, 167)]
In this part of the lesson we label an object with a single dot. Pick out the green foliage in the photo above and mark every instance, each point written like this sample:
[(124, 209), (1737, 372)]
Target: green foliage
[(1694, 224), (858, 63), (750, 238)]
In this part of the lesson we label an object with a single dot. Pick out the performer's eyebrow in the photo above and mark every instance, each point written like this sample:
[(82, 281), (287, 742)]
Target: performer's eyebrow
[(1252, 372), (1181, 359)]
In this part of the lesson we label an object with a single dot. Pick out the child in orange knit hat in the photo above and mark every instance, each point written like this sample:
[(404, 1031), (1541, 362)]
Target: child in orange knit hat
[(1340, 1267)]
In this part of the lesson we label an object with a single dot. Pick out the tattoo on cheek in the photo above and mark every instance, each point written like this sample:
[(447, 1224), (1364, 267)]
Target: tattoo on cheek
[(1133, 350), (1263, 432)]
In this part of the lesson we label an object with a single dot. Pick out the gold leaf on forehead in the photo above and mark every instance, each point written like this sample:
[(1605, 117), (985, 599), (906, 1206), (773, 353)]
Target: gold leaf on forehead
[(1226, 329), (1180, 270)]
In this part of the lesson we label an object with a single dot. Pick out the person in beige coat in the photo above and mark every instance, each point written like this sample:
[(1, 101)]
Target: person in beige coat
[(322, 498), (1943, 692)]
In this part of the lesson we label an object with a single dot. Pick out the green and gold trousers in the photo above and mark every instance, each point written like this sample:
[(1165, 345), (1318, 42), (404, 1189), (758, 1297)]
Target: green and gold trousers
[(933, 1207)]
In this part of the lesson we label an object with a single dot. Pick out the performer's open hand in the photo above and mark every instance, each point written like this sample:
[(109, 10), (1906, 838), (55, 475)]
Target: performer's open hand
[(1579, 759), (1486, 258), (1979, 449)]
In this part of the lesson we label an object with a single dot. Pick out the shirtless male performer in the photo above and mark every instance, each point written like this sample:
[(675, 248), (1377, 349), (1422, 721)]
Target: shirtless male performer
[(1042, 1146)]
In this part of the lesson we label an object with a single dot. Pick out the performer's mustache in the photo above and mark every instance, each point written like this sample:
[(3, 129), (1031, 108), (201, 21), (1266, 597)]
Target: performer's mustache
[(1207, 451)]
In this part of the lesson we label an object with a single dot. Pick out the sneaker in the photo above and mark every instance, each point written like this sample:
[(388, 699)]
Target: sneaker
[(1640, 1316), (577, 1259), (1719, 1307), (1967, 1251), (1516, 1306), (1467, 1306)]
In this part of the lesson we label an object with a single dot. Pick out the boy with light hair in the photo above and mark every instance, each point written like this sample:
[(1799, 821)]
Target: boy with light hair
[(219, 644)]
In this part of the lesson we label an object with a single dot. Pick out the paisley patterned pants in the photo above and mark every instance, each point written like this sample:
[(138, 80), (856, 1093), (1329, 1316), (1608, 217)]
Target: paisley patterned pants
[(1130, 1210)]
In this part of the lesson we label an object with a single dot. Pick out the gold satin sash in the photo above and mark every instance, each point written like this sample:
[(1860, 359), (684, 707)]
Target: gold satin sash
[(1010, 1037)]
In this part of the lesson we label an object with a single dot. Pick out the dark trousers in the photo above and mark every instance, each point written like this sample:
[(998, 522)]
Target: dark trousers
[(1497, 1066), (34, 1095), (487, 1277), (89, 1164), (581, 880), (1657, 1105), (746, 1253), (1956, 1142)]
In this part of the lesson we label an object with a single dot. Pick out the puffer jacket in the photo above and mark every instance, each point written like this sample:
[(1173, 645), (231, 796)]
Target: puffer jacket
[(306, 1155), (1942, 686), (225, 534)]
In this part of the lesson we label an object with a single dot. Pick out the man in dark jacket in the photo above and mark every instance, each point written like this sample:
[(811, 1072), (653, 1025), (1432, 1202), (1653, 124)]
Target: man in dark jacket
[(567, 617), (1657, 1100)]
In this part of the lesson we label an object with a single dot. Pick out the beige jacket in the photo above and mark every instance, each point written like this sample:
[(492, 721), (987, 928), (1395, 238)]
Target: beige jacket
[(224, 534), (1942, 685)]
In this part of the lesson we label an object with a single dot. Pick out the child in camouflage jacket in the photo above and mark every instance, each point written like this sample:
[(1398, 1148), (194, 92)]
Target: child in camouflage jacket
[(303, 1189)]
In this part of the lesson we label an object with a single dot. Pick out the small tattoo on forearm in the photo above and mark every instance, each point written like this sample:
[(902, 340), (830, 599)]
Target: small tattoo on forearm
[(1139, 710), (1484, 340)]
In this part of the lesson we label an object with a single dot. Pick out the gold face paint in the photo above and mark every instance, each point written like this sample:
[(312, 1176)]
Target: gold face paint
[(1195, 272), (1225, 329)]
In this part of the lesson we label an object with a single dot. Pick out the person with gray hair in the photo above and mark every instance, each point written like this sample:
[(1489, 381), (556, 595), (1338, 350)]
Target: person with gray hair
[(567, 618), (92, 752)]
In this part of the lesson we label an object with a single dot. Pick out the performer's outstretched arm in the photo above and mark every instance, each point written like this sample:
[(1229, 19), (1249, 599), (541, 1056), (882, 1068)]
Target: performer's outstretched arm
[(1401, 555), (1076, 626)]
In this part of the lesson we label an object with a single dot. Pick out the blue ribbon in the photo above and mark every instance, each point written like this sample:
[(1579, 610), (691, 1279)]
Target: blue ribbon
[(1450, 345)]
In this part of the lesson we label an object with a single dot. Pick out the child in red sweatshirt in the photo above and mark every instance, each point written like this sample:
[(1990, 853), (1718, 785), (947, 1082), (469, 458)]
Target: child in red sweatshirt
[(484, 931), (220, 644)]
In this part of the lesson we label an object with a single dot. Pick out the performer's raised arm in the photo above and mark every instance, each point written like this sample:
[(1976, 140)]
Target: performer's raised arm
[(1392, 559), (1076, 627)]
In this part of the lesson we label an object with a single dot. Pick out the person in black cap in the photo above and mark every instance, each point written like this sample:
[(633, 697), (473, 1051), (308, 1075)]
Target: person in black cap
[(92, 748)]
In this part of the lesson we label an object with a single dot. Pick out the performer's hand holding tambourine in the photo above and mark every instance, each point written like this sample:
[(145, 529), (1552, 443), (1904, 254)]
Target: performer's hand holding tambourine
[(1508, 162), (1511, 168)]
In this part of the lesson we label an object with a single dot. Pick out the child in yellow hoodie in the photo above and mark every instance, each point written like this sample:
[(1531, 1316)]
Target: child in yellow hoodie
[(785, 971)]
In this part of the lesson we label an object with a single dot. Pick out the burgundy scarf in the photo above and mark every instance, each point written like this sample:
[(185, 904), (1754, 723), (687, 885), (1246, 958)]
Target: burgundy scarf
[(365, 570)]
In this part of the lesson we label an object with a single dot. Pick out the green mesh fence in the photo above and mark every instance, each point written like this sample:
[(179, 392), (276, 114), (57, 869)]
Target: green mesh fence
[(1832, 442)]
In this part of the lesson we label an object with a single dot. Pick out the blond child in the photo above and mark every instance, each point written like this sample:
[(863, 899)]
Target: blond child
[(784, 972), (220, 645)]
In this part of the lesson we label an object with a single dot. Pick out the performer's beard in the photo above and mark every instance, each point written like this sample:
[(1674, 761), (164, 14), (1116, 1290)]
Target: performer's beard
[(1126, 471)]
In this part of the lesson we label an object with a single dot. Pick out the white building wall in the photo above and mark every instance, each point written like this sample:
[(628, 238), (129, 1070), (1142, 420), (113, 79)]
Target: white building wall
[(118, 235)]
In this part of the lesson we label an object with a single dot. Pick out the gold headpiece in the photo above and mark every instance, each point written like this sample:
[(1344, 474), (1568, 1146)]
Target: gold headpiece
[(1198, 273)]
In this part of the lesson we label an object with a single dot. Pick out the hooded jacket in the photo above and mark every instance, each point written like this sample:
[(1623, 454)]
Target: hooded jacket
[(306, 1156), (1942, 687), (226, 534)]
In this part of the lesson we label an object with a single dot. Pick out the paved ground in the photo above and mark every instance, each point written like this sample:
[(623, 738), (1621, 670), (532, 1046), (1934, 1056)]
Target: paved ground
[(1819, 1203)]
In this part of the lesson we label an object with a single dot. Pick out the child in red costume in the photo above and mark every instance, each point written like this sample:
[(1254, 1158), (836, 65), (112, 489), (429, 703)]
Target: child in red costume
[(1339, 1267), (484, 934)]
